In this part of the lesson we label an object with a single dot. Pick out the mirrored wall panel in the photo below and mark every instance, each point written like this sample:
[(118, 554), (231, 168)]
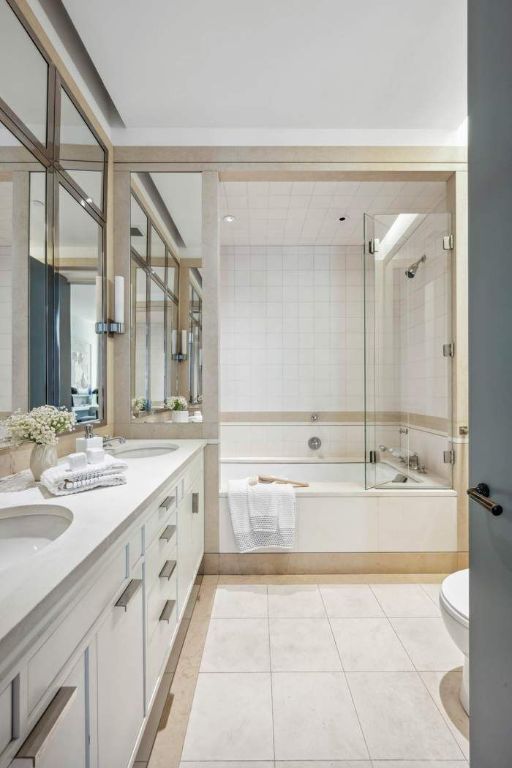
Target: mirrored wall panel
[(52, 276), (166, 295), (23, 75)]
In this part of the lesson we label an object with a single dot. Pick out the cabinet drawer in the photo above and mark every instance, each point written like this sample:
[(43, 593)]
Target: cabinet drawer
[(46, 663), (162, 513), (163, 591), (6, 716), (160, 551), (60, 737), (159, 645)]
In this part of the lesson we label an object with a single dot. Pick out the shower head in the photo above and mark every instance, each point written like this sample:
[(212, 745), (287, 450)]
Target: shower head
[(411, 271)]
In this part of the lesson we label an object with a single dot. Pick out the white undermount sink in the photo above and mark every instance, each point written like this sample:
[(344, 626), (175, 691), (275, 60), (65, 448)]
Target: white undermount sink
[(25, 530), (141, 451)]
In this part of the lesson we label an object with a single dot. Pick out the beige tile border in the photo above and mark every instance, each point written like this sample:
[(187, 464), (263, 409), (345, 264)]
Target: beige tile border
[(297, 563), (357, 418)]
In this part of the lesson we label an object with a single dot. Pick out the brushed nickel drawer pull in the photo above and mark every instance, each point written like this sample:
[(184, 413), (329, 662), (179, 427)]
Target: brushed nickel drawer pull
[(195, 503), (37, 739), (168, 532), (133, 587), (168, 502), (167, 569), (167, 611)]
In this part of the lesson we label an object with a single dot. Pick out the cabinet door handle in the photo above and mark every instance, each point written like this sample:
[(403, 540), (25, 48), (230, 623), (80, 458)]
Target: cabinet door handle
[(168, 532), (133, 587), (167, 569), (40, 734), (167, 611), (168, 502), (195, 503)]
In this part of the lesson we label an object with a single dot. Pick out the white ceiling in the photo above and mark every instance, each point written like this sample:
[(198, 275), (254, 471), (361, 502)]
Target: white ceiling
[(182, 195), (361, 71), (307, 213)]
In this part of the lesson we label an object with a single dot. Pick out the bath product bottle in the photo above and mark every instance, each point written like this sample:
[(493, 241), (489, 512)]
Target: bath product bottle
[(89, 440)]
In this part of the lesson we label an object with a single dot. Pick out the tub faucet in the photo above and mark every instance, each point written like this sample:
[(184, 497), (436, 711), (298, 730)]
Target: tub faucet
[(414, 462), (107, 441)]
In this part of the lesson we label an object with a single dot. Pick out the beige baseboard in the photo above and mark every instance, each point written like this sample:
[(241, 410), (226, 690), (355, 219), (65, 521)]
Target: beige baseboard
[(295, 563)]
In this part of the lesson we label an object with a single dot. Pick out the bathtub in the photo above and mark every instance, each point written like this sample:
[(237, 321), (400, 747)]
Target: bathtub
[(336, 514)]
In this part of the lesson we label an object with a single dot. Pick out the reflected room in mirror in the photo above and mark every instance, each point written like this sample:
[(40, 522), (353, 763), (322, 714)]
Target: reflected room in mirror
[(166, 297), (52, 223)]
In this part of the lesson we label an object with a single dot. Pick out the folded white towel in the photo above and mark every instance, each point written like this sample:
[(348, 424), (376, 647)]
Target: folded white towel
[(62, 480), (262, 515)]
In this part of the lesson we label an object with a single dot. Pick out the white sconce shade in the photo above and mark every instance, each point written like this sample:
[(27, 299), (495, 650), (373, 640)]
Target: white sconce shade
[(119, 299)]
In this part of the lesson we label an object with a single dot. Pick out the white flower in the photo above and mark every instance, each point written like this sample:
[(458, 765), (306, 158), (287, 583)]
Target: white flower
[(41, 425), (176, 403)]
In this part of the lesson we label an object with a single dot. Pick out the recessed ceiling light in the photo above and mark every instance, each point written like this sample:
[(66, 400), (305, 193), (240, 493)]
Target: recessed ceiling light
[(342, 218), (229, 219)]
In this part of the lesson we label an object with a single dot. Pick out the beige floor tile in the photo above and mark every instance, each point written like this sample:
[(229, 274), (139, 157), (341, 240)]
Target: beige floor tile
[(303, 645), (428, 644), (231, 718), (399, 719), (295, 602), (323, 764), (230, 764), (247, 601), (404, 600), (350, 601), (314, 718), (432, 590), (369, 645), (236, 645), (444, 688)]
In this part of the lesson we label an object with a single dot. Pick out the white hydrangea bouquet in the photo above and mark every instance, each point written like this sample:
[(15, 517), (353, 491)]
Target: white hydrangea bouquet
[(41, 427), (139, 405), (179, 407)]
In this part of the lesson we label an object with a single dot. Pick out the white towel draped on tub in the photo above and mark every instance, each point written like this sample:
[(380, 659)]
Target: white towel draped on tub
[(61, 480), (262, 515)]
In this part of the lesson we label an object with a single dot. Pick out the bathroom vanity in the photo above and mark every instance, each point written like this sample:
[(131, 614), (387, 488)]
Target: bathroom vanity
[(87, 623)]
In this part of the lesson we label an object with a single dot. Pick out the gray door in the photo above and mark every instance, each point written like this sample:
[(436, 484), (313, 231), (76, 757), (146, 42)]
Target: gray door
[(490, 379)]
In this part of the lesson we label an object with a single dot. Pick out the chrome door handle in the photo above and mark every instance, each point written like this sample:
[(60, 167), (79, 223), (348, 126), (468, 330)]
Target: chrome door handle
[(480, 493), (40, 734), (195, 503), (167, 610), (168, 532), (167, 569), (168, 502), (133, 587)]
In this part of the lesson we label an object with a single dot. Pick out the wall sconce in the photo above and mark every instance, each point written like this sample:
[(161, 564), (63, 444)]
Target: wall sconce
[(117, 324), (180, 354)]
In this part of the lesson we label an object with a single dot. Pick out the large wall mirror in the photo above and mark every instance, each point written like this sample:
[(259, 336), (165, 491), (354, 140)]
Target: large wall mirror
[(166, 294), (52, 235)]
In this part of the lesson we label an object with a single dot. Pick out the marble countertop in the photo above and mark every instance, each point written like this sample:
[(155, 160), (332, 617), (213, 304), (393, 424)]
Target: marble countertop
[(30, 588)]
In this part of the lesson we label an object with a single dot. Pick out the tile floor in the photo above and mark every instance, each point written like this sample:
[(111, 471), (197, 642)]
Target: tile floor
[(347, 675)]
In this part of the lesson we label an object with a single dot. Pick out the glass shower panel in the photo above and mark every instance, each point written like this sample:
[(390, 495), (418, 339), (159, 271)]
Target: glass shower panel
[(370, 439), (408, 353)]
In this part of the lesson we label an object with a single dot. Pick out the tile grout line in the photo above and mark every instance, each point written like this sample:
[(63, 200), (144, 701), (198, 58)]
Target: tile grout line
[(345, 675)]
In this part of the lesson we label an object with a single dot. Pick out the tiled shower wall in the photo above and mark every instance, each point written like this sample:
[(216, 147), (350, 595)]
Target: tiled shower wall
[(291, 329)]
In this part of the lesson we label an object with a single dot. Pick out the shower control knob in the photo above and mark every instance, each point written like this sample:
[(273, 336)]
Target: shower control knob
[(314, 443)]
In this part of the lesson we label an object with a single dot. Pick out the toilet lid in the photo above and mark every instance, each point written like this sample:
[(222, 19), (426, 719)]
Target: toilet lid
[(455, 592)]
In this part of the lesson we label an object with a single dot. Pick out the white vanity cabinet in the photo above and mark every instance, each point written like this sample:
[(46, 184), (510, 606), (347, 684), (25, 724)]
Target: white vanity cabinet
[(120, 676), (79, 697)]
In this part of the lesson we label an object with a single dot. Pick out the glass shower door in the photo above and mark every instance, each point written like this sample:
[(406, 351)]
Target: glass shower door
[(370, 414)]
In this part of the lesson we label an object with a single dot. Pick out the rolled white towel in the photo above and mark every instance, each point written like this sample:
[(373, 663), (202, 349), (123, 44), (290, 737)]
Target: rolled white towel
[(62, 480)]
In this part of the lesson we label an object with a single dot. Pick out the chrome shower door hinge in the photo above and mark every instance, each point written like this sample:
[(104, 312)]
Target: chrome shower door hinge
[(449, 350), (448, 242), (449, 457), (373, 245)]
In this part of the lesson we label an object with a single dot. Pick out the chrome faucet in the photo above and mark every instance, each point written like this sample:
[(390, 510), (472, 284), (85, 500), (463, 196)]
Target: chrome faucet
[(107, 441), (414, 462)]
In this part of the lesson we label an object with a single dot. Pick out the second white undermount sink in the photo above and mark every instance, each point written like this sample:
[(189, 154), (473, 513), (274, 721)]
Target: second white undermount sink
[(142, 451), (25, 530)]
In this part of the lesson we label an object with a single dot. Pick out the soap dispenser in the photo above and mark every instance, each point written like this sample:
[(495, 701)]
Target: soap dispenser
[(89, 440)]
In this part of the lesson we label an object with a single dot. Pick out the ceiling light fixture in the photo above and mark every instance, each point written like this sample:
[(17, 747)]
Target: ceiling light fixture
[(343, 218), (229, 219)]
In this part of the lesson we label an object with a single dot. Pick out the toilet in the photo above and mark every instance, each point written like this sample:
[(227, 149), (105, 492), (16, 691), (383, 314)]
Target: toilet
[(454, 603)]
